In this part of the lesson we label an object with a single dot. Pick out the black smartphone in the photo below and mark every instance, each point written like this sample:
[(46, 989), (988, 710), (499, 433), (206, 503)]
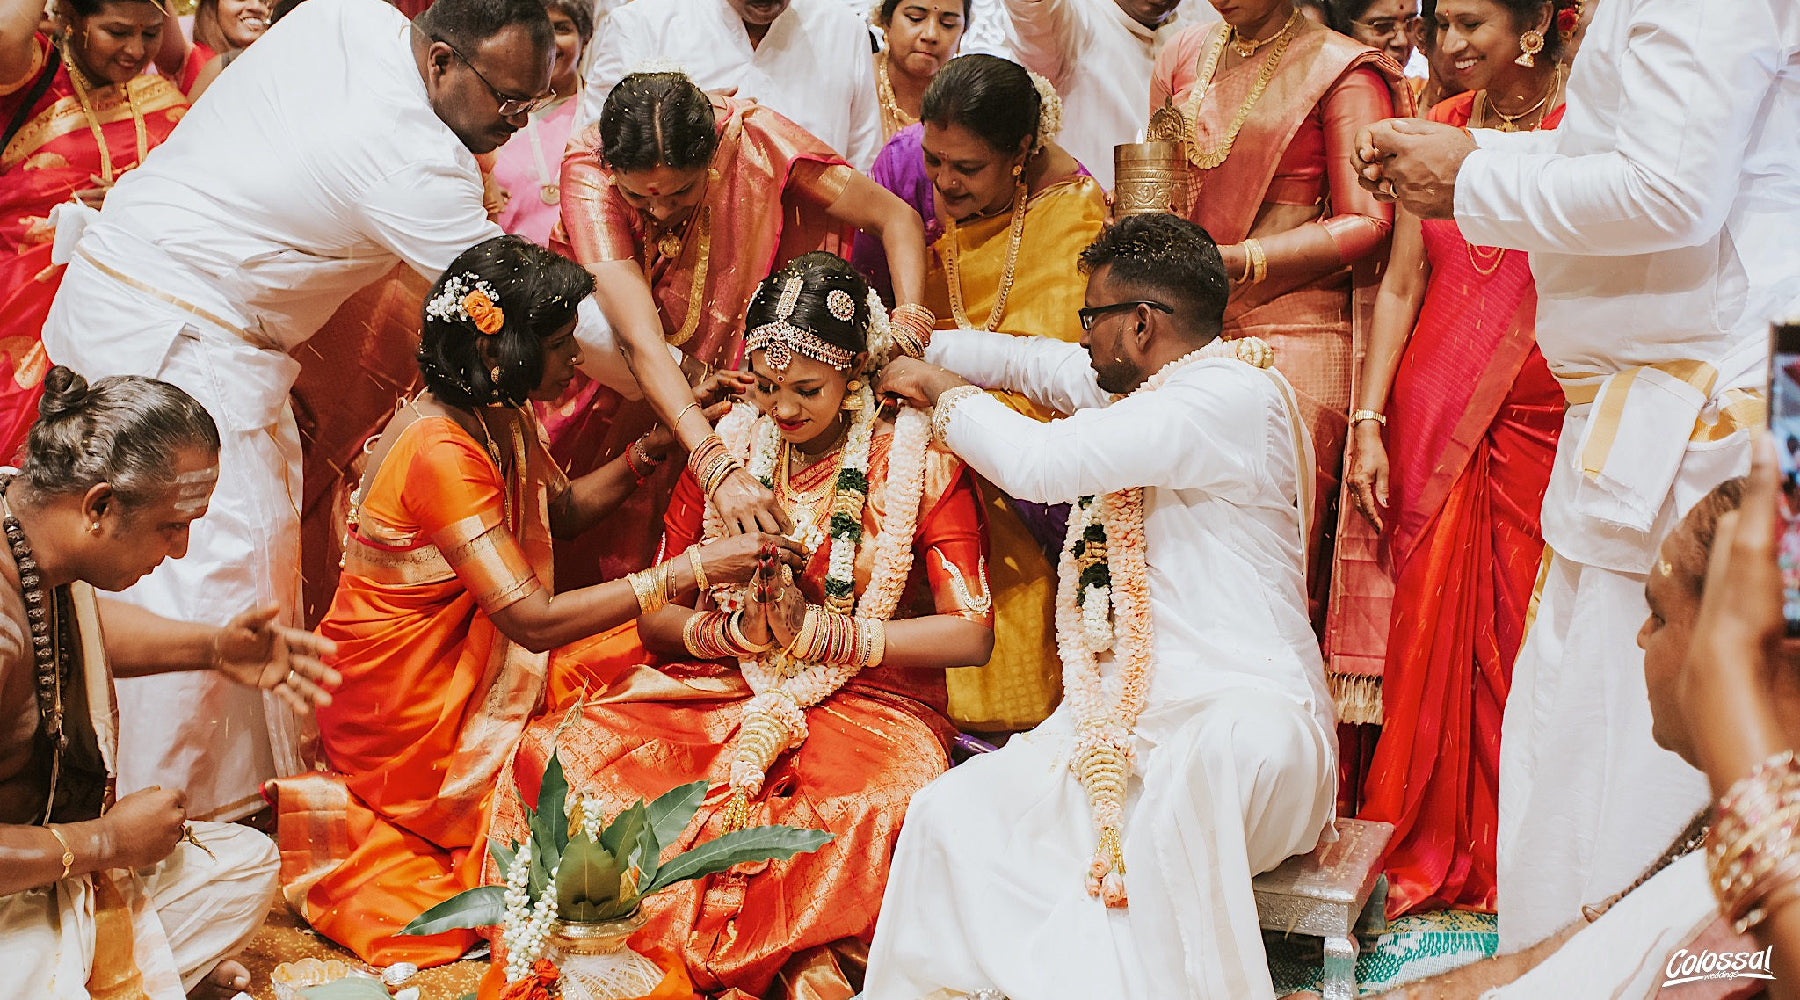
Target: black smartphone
[(1784, 427)]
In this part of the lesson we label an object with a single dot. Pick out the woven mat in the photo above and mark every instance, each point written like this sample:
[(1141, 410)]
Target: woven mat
[(1415, 946), (286, 938)]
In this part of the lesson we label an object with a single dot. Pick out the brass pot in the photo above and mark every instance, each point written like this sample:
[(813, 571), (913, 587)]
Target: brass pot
[(596, 962), (1149, 177)]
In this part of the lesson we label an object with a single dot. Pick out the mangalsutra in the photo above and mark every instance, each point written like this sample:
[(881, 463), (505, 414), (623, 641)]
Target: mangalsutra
[(1209, 158), (1510, 123), (893, 116), (77, 80)]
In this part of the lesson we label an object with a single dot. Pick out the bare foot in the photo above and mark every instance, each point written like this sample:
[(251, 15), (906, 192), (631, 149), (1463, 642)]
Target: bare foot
[(228, 978)]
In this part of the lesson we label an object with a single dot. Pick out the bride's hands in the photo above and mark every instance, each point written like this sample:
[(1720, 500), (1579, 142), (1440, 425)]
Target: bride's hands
[(776, 608)]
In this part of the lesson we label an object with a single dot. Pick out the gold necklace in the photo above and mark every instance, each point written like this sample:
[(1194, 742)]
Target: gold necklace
[(1247, 47), (1478, 254), (76, 80), (893, 116), (1510, 123), (1211, 158), (669, 246), (953, 274)]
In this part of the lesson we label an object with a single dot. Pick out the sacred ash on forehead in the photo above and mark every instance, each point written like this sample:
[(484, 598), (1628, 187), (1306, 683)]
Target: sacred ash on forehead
[(779, 339), (193, 489)]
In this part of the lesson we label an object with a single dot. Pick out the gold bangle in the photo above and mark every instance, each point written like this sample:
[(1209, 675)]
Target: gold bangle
[(683, 413), (1259, 261), (698, 568), (649, 590), (68, 854), (1358, 416)]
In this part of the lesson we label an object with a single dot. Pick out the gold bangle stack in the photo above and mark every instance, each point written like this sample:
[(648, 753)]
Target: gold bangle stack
[(946, 403), (1751, 851), (910, 326), (68, 854), (1257, 268), (711, 464), (700, 581), (829, 637), (654, 587), (719, 635)]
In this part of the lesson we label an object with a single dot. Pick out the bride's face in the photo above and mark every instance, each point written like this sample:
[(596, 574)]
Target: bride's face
[(806, 401)]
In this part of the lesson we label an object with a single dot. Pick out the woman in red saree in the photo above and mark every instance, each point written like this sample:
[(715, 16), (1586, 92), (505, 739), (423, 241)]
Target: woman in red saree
[(446, 608), (842, 741), (78, 110), (1471, 426), (679, 204), (1270, 104)]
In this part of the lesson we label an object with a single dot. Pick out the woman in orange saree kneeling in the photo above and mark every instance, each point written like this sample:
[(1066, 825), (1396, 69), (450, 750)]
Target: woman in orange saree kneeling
[(446, 607), (894, 591)]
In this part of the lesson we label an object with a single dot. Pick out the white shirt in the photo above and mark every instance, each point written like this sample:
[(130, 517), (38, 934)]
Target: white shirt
[(1216, 449), (812, 66), (1663, 222), (312, 168), (1099, 60)]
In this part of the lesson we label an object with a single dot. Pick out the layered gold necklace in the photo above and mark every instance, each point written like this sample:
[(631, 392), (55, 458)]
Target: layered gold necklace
[(893, 116), (1510, 123), (77, 79), (669, 245), (1207, 159), (952, 264)]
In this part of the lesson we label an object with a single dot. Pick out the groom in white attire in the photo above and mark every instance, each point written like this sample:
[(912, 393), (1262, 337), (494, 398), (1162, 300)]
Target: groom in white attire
[(1109, 852)]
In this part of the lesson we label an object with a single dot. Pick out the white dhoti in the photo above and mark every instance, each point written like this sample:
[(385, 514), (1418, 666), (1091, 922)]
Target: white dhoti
[(1587, 798), (987, 886), (170, 924), (197, 731)]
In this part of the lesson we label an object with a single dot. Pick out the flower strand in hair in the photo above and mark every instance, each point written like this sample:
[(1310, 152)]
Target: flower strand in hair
[(1050, 113), (467, 298)]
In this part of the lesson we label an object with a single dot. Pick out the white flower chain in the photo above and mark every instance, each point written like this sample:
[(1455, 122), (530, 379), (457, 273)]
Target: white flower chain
[(525, 928)]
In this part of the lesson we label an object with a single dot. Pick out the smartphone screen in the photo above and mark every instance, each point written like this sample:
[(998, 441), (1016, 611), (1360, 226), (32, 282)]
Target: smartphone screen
[(1784, 426)]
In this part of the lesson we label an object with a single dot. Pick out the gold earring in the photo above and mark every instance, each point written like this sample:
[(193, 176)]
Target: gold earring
[(494, 375), (1018, 168), (1530, 44), (93, 527)]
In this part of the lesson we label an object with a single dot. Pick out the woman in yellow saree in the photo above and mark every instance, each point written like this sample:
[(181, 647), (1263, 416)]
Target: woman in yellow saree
[(446, 607), (893, 592), (1016, 211)]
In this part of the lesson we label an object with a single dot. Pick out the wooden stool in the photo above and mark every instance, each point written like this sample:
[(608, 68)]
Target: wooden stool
[(1337, 893)]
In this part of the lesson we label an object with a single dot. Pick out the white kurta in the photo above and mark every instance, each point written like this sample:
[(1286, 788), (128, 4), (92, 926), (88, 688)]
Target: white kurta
[(1236, 753), (812, 66), (1663, 222), (1099, 60), (312, 168)]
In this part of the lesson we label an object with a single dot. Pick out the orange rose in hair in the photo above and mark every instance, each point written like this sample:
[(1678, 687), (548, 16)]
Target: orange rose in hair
[(487, 317)]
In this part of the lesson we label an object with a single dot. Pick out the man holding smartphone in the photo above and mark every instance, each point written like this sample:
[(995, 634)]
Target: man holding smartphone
[(1663, 222)]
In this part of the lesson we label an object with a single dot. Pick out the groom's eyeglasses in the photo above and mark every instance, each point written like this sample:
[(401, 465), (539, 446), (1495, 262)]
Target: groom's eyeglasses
[(1089, 314)]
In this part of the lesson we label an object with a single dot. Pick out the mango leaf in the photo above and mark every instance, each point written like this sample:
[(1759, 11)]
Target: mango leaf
[(587, 885), (759, 843), (550, 823), (482, 906), (622, 833), (503, 856), (644, 855), (674, 810)]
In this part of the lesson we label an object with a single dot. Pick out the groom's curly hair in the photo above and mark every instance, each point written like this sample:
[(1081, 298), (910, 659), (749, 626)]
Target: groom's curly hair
[(1169, 259)]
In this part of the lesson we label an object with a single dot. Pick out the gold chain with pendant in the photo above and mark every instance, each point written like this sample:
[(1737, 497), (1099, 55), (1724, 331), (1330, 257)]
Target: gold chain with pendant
[(952, 267), (77, 80), (1210, 158)]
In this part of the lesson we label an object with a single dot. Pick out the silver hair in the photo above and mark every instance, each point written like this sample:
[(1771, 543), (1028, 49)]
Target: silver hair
[(124, 430)]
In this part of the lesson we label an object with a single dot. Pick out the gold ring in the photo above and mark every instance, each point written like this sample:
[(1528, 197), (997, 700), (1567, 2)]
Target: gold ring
[(291, 678)]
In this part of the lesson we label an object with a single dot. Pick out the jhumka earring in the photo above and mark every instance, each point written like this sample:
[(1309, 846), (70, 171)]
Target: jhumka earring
[(852, 397), (1530, 44)]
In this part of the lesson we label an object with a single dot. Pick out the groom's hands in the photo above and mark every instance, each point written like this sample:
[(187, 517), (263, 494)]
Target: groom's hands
[(912, 382)]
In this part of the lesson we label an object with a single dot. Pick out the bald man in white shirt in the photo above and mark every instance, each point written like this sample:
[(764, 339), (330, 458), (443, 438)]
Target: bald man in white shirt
[(339, 145), (807, 59), (1663, 222)]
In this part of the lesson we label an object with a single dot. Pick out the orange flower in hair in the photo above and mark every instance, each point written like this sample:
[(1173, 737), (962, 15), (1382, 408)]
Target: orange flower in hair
[(487, 317)]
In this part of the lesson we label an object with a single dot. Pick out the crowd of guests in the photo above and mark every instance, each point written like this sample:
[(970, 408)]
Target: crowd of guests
[(1340, 488)]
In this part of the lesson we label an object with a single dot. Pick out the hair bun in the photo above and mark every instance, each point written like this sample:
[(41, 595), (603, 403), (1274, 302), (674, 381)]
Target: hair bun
[(64, 390)]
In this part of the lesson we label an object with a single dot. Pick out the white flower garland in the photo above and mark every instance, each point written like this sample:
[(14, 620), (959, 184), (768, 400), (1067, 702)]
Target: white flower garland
[(1114, 615), (526, 927)]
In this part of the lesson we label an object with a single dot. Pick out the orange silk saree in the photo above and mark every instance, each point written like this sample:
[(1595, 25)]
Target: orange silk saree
[(792, 928), (434, 695), (766, 193), (56, 153)]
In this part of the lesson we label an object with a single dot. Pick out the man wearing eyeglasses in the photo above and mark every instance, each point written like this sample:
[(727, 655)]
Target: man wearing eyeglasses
[(1382, 24), (996, 883), (340, 145)]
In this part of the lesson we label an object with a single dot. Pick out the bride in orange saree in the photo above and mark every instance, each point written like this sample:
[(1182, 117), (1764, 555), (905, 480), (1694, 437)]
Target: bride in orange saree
[(78, 110), (446, 607), (1270, 103), (679, 204), (839, 735)]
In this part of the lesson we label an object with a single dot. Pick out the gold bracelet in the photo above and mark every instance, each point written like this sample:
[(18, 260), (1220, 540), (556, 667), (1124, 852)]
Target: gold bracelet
[(68, 855), (678, 416), (1358, 416), (666, 579), (698, 568), (1259, 261), (649, 590)]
